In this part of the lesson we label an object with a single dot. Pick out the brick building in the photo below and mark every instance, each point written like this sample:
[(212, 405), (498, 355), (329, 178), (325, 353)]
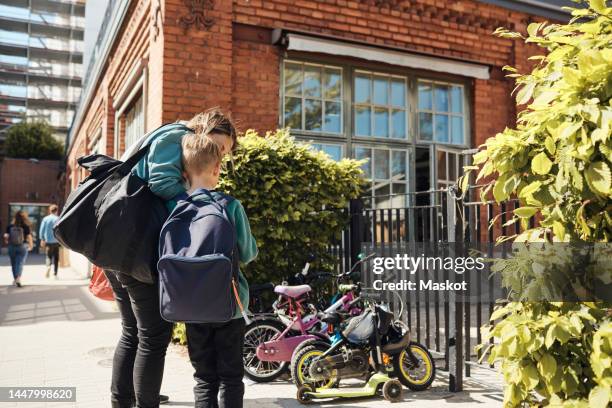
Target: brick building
[(408, 84), (30, 185)]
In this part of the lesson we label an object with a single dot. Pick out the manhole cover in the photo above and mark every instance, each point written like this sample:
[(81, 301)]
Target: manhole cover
[(107, 362), (101, 352)]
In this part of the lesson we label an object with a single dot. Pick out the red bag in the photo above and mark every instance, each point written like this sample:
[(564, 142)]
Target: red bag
[(100, 286)]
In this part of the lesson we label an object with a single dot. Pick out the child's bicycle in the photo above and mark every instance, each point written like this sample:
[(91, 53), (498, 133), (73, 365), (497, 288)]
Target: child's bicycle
[(372, 346), (271, 341)]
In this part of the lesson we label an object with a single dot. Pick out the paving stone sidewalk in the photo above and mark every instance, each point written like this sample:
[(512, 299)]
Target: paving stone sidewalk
[(54, 333)]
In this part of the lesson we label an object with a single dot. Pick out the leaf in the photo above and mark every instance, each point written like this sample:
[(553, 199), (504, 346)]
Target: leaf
[(599, 6), (525, 212), (559, 230), (598, 177), (547, 366), (530, 376), (525, 93), (541, 164), (550, 145), (599, 397)]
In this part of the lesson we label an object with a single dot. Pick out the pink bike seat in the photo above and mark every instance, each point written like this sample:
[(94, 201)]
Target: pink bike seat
[(292, 291)]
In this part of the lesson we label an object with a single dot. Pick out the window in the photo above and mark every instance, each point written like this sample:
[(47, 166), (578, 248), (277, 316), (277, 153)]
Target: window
[(380, 105), (134, 122), (393, 118), (441, 112), (333, 150), (449, 167), (388, 171), (312, 97)]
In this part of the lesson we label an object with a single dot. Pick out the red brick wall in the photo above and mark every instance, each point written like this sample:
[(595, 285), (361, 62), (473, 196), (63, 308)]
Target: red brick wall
[(19, 178), (193, 69), (197, 71)]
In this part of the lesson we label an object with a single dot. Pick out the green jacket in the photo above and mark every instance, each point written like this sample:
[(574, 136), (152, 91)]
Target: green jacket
[(247, 247), (162, 167)]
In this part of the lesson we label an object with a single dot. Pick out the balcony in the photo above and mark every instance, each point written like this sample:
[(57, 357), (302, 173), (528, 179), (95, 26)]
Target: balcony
[(76, 8), (20, 25), (40, 53)]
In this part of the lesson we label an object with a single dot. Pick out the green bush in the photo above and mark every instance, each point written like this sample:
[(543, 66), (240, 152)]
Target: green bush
[(32, 140), (557, 163), (293, 197)]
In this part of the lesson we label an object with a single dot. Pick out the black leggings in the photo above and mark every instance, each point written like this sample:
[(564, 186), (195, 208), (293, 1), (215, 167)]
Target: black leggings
[(138, 364)]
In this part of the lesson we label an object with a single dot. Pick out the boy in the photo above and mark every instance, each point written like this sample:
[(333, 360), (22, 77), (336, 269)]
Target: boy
[(215, 350)]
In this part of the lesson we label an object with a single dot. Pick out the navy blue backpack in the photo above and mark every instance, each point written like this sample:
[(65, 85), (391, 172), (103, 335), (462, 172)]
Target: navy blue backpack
[(198, 262)]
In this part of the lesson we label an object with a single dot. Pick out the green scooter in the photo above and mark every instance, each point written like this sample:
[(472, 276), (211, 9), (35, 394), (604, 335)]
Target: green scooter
[(351, 356)]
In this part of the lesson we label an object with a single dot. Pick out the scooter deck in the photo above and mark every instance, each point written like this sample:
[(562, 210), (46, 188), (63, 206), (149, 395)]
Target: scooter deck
[(367, 390)]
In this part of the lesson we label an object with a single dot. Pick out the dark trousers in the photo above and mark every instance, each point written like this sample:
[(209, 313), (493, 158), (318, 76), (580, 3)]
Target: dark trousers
[(53, 256), (138, 363), (215, 351)]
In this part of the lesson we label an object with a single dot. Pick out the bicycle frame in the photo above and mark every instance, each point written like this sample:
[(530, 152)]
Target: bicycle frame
[(281, 347)]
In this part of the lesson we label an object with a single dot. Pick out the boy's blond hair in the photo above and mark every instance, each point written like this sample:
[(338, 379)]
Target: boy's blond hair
[(200, 152), (213, 121)]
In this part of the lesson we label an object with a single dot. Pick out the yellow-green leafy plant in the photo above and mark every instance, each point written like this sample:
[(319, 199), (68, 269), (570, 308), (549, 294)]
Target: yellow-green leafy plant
[(556, 162), (294, 197)]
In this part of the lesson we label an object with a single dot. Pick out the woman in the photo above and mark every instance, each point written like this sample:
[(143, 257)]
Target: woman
[(138, 363), (18, 236)]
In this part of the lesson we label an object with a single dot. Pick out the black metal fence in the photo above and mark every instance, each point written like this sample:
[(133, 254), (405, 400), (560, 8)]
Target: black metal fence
[(443, 324)]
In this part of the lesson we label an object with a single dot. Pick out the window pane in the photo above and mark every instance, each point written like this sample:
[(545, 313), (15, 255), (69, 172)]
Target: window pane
[(425, 126), (312, 114), (360, 153), (457, 130), (332, 117), (383, 200), (399, 197), (441, 128), (381, 164), (333, 151), (362, 121), (293, 113), (456, 93), (293, 79), (333, 83), (398, 124), (381, 91), (452, 167), (398, 165), (381, 122), (398, 93), (441, 156), (441, 98), (312, 81), (424, 96), (362, 89)]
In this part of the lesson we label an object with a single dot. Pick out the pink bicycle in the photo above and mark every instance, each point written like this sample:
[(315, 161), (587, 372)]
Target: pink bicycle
[(271, 340)]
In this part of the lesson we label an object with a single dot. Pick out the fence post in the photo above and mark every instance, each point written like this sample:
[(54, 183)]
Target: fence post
[(356, 228), (455, 315)]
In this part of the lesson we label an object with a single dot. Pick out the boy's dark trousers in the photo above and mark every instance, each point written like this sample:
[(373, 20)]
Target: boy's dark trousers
[(53, 256), (215, 351)]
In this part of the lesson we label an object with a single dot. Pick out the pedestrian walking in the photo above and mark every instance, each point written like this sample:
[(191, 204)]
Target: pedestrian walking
[(48, 240), (18, 237)]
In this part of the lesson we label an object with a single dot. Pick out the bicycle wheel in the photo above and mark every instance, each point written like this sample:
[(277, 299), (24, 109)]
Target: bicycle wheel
[(300, 364), (416, 377), (260, 331)]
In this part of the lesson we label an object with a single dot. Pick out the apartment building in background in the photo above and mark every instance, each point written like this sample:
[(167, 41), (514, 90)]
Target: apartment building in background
[(41, 62)]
